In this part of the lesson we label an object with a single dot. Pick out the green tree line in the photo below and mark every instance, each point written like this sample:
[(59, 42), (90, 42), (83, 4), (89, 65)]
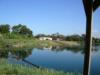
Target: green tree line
[(16, 29), (74, 37), (25, 31)]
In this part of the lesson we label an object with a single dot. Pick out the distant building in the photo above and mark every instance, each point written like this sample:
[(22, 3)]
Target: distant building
[(58, 39), (45, 38)]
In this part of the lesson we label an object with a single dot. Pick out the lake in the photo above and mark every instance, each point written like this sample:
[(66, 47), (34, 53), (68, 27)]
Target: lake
[(67, 60)]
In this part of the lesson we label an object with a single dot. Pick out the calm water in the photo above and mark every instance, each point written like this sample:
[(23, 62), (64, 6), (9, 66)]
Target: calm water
[(59, 60), (67, 60)]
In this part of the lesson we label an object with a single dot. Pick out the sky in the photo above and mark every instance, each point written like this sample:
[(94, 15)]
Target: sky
[(48, 16)]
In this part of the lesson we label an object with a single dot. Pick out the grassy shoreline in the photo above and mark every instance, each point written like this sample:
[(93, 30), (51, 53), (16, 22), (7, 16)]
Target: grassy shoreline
[(15, 69), (20, 43)]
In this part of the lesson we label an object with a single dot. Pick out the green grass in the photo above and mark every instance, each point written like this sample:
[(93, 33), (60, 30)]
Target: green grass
[(18, 41), (15, 69), (35, 43)]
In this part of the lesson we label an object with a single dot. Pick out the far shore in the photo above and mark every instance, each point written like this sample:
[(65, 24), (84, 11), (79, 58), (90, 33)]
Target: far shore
[(36, 43)]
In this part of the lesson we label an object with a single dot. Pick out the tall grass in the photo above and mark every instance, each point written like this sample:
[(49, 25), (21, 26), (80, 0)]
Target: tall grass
[(21, 41), (15, 69)]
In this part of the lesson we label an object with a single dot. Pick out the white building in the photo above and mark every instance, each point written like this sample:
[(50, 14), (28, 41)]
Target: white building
[(45, 38)]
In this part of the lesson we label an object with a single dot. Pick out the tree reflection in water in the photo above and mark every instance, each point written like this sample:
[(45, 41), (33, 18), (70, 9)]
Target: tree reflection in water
[(21, 54), (18, 53), (25, 52)]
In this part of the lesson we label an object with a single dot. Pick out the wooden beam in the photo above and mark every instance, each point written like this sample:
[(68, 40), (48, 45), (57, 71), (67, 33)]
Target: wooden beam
[(96, 4), (88, 5)]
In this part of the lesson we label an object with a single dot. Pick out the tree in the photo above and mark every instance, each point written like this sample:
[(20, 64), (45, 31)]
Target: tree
[(16, 28), (40, 35), (58, 35), (74, 38), (21, 29), (4, 28)]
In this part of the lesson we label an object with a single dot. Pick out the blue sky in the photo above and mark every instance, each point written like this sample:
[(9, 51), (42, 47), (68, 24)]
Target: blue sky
[(48, 16)]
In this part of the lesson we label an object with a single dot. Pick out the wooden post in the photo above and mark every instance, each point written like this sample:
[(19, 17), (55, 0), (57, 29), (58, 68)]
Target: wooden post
[(88, 5)]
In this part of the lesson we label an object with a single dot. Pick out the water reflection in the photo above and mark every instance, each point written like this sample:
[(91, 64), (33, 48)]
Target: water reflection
[(25, 52), (59, 58), (18, 54), (4, 53)]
